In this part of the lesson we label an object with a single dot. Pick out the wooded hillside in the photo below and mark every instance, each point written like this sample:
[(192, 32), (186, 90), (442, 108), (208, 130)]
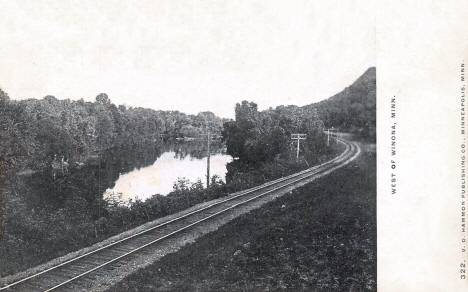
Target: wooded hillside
[(354, 108)]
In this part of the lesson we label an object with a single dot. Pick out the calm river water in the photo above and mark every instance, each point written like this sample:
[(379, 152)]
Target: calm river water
[(127, 172), (159, 177)]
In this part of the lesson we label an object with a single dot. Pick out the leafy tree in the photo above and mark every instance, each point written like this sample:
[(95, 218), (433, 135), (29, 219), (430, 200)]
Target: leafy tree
[(256, 137), (36, 130)]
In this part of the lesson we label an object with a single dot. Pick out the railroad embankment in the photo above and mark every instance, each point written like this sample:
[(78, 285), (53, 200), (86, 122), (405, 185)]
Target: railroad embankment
[(320, 237)]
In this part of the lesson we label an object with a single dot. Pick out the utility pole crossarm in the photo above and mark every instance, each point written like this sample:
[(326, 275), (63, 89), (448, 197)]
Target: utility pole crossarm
[(298, 137)]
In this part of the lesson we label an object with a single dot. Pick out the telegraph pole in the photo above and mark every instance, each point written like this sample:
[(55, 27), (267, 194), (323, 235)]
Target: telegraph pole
[(298, 137), (208, 158), (208, 153), (297, 153), (328, 135)]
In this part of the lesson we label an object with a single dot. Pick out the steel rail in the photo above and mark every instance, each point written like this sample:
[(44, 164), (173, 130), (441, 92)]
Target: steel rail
[(243, 193), (184, 228), (310, 172)]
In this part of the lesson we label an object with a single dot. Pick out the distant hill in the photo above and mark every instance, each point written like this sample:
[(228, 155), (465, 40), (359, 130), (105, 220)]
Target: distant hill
[(354, 108)]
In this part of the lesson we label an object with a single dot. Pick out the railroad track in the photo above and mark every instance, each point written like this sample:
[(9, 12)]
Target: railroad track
[(75, 273)]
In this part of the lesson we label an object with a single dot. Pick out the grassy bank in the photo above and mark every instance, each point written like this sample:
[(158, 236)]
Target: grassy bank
[(320, 237)]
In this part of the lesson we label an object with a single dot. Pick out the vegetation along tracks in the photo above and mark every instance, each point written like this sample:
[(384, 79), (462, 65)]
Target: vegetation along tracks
[(70, 274)]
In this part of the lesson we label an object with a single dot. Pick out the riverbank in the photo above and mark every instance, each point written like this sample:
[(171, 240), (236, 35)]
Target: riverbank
[(42, 234), (320, 237)]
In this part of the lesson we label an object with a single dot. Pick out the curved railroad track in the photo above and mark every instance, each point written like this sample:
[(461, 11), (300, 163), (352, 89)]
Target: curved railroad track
[(76, 273)]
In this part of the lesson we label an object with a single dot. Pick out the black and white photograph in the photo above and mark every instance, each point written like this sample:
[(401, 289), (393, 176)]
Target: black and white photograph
[(229, 146)]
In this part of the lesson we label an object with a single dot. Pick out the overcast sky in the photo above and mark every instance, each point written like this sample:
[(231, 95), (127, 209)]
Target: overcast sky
[(185, 55)]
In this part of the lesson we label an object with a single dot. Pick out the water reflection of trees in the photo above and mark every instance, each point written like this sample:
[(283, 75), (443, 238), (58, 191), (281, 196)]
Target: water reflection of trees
[(196, 149), (90, 180)]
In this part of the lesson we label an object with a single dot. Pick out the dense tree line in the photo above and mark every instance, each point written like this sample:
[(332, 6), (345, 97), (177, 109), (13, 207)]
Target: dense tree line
[(354, 108), (260, 142), (33, 130), (261, 136)]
